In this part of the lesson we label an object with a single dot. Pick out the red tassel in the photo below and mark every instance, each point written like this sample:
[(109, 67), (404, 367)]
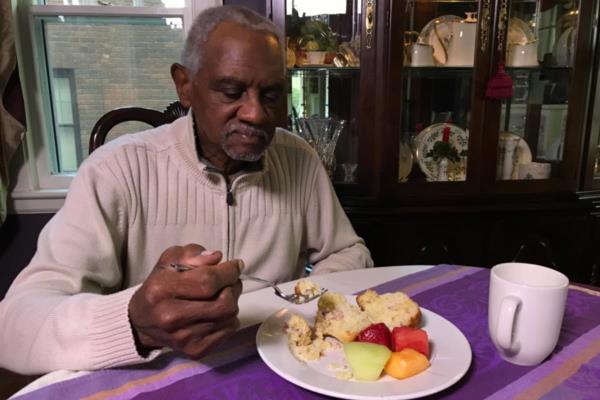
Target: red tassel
[(500, 86)]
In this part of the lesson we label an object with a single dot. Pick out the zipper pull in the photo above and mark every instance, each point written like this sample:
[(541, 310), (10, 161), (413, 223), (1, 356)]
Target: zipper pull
[(229, 198)]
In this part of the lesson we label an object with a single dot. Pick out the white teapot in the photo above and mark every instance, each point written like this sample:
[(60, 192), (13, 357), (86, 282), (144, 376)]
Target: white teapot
[(461, 46)]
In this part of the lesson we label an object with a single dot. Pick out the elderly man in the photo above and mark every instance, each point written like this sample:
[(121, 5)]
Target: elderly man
[(102, 291)]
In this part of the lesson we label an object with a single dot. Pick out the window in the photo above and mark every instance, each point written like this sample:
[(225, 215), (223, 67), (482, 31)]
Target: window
[(317, 7), (67, 140), (81, 58)]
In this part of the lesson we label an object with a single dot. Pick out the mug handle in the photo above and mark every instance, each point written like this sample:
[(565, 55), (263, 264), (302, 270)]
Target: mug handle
[(506, 321)]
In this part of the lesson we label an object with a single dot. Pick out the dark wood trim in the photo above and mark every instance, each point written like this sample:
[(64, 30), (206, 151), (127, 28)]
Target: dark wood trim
[(579, 96), (11, 382)]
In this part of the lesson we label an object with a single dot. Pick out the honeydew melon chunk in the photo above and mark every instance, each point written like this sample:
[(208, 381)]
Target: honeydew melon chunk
[(366, 359)]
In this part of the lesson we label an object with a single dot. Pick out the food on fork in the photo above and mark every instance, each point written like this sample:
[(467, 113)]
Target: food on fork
[(393, 309), (307, 288), (338, 318)]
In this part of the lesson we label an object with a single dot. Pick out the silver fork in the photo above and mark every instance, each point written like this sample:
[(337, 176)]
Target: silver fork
[(292, 298)]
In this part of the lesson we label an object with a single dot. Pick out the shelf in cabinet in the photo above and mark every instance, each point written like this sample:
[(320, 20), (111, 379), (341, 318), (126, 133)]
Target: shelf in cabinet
[(446, 1), (464, 1), (438, 72), (462, 72), (329, 68), (538, 69)]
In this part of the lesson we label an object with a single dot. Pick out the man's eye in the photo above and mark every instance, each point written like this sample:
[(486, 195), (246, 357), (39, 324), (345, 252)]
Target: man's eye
[(232, 94), (272, 96)]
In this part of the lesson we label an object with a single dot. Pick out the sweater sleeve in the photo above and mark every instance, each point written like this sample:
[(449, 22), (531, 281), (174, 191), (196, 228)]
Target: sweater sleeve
[(332, 242), (66, 309)]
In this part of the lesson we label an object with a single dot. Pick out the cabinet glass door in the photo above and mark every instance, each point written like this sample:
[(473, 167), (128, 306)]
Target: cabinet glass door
[(323, 61), (540, 56), (439, 62), (592, 160)]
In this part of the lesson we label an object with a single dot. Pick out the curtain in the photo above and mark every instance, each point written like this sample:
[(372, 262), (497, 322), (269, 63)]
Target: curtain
[(11, 130)]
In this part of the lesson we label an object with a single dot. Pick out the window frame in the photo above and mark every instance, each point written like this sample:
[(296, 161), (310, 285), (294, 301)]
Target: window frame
[(37, 189)]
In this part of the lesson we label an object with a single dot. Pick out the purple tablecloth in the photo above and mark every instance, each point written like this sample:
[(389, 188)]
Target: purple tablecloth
[(457, 293)]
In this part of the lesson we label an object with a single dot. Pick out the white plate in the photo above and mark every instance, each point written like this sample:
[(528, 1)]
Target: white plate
[(564, 49), (450, 360), (427, 139), (519, 32), (437, 34)]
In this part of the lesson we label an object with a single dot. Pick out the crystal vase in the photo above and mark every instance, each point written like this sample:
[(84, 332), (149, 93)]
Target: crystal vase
[(322, 134)]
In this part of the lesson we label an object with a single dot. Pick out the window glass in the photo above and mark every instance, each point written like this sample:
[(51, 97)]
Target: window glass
[(130, 3), (66, 120), (316, 7), (112, 62)]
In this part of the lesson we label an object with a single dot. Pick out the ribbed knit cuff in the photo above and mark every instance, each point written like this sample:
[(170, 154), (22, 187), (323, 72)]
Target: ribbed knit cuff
[(112, 339)]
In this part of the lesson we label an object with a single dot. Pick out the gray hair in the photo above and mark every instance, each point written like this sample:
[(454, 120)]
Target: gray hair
[(193, 50)]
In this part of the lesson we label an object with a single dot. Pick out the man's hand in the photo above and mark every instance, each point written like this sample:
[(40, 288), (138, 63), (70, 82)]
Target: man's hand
[(188, 311)]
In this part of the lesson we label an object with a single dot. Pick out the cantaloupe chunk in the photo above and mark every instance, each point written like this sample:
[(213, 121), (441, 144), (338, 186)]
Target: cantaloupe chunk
[(405, 363)]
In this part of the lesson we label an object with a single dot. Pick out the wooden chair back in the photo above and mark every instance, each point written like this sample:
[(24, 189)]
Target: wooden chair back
[(127, 114)]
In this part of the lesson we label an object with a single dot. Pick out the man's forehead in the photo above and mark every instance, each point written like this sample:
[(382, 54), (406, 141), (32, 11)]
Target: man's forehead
[(226, 78), (233, 31), (238, 50)]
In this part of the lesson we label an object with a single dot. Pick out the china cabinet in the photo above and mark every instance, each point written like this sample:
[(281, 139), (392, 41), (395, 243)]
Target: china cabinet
[(472, 128)]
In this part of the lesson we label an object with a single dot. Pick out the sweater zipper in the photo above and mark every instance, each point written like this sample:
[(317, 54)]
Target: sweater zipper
[(229, 200)]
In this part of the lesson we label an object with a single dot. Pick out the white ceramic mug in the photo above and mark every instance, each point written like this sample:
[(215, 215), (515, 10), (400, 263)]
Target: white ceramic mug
[(523, 55), (526, 308), (421, 55), (534, 170)]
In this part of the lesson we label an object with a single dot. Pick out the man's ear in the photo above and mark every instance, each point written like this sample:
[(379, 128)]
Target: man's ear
[(183, 84)]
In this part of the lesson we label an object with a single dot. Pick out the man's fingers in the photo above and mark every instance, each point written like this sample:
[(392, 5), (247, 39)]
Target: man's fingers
[(191, 254), (237, 289), (205, 282), (188, 307), (195, 255), (191, 250), (179, 313), (194, 333), (199, 348), (170, 254), (201, 258)]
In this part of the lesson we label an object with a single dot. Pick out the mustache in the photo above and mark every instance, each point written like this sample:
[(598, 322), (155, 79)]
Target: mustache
[(245, 129)]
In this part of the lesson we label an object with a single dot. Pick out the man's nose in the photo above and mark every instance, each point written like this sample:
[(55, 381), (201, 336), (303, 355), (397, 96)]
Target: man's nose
[(252, 110)]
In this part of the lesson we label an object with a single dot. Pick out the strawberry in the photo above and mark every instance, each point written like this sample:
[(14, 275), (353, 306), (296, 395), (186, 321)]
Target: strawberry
[(414, 338), (375, 333)]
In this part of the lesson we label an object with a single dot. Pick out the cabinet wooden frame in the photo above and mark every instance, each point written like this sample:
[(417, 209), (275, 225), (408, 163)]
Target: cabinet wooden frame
[(390, 214), (485, 119)]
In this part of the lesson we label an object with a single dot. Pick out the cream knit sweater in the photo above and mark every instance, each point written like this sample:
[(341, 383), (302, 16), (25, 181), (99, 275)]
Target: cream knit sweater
[(133, 198)]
